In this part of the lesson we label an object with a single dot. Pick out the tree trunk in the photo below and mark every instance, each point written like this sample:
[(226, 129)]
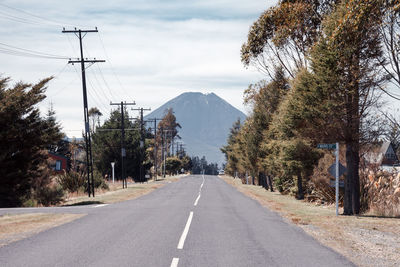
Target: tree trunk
[(349, 182), (300, 194), (264, 181), (352, 183), (353, 164), (270, 183)]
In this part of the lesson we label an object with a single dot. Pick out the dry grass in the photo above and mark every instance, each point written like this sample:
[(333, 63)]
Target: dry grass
[(117, 194), (365, 240), (18, 226)]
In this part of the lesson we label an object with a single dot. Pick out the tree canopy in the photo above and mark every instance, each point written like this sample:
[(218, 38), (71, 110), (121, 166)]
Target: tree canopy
[(25, 137)]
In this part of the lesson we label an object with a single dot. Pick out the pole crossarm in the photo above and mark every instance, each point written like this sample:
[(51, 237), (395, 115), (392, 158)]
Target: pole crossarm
[(124, 103), (86, 61), (116, 129), (79, 30)]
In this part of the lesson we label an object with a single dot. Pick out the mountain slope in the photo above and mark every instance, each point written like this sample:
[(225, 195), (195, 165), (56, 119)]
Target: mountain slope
[(205, 120)]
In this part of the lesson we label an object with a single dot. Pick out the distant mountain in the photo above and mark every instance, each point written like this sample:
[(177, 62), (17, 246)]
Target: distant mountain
[(205, 120)]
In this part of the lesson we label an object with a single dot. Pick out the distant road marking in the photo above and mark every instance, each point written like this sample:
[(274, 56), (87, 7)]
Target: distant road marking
[(100, 205), (185, 231), (175, 262), (197, 200)]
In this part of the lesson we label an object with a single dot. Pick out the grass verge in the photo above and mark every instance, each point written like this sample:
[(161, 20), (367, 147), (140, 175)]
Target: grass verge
[(365, 240), (117, 194), (19, 226)]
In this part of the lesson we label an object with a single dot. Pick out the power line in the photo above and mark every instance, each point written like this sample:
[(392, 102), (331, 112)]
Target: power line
[(110, 95), (109, 62), (42, 20), (26, 54), (98, 97), (92, 97), (104, 80), (31, 52), (17, 19)]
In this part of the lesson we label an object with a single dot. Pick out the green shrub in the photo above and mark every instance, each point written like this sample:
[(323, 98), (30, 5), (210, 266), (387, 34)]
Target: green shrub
[(49, 195), (72, 181), (99, 181), (29, 203)]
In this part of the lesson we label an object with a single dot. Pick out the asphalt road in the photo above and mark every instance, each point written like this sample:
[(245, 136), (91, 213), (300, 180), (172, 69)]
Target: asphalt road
[(193, 222)]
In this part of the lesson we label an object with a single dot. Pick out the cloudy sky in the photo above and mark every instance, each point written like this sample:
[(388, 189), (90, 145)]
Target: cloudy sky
[(154, 50)]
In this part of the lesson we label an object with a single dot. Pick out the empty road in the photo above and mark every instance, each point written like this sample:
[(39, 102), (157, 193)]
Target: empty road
[(195, 221)]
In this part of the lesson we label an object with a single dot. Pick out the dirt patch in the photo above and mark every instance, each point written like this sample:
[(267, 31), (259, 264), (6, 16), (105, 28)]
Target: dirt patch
[(365, 240), (19, 226)]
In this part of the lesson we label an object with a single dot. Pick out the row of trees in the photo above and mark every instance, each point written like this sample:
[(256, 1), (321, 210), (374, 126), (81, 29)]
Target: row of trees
[(157, 149), (327, 62), (201, 166), (27, 137)]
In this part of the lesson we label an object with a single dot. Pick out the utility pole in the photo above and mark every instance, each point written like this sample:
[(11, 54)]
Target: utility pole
[(142, 140), (166, 148), (177, 149), (123, 151), (82, 61), (155, 145)]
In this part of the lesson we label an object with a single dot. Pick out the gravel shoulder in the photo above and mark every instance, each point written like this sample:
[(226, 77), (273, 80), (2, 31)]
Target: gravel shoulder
[(14, 227), (364, 240)]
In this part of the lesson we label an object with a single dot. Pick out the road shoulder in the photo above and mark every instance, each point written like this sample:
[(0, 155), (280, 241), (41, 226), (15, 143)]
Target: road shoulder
[(14, 227), (364, 240), (117, 194)]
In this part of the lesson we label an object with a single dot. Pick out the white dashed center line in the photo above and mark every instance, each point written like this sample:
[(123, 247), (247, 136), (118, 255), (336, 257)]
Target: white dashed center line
[(100, 205), (197, 200), (174, 262), (185, 231), (198, 197)]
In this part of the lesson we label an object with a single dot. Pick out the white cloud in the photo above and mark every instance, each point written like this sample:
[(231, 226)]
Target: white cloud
[(158, 49)]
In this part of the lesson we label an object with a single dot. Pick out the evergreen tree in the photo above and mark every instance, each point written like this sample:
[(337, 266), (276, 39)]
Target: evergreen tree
[(336, 96), (24, 139), (107, 146)]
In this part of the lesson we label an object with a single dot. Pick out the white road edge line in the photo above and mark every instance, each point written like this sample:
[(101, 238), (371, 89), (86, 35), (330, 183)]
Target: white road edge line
[(175, 262), (100, 205), (197, 200), (185, 231)]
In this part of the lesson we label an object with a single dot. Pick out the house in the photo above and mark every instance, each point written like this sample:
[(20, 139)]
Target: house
[(384, 155), (58, 163)]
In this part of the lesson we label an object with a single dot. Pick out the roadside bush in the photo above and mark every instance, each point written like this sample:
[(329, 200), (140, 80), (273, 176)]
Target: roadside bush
[(99, 181), (72, 181), (29, 203), (49, 195)]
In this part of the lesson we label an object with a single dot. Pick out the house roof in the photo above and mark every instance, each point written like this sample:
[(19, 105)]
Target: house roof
[(57, 155), (384, 148), (378, 155)]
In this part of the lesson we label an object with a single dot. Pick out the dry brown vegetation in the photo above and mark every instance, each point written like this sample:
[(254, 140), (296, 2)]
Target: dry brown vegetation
[(382, 191), (366, 240), (19, 226), (117, 194)]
